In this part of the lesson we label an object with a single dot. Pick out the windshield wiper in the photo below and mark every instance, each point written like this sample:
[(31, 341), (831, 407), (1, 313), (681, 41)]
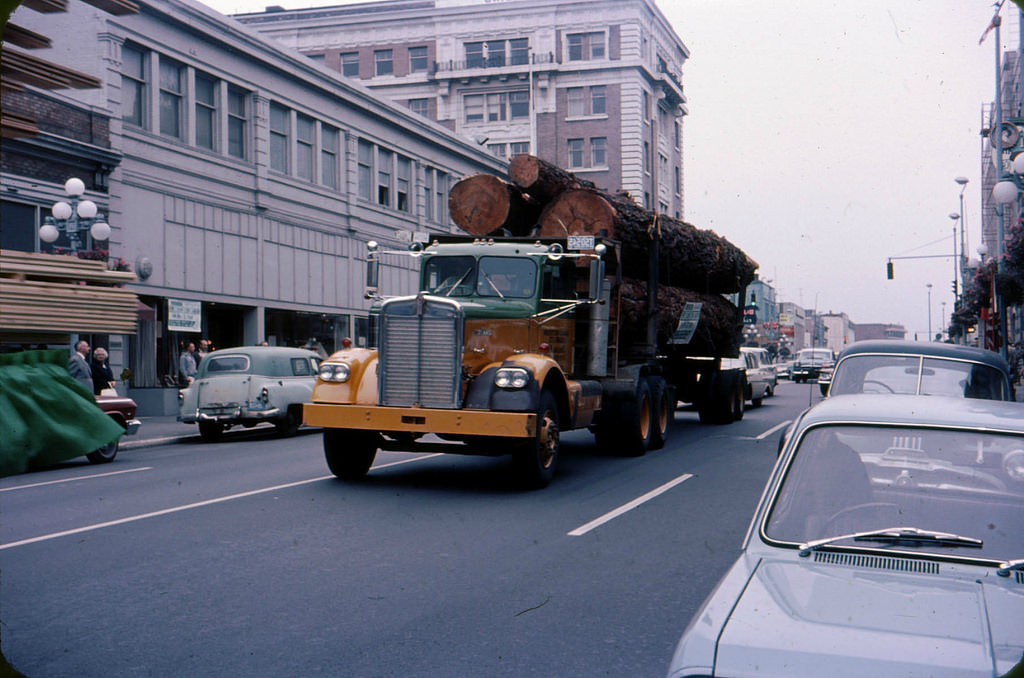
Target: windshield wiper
[(896, 535), (458, 282), (491, 283)]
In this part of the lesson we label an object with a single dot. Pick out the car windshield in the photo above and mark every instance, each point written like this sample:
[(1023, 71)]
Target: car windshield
[(848, 479), (814, 356), (912, 375)]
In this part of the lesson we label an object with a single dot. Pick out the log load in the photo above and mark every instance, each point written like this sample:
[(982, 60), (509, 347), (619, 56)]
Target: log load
[(541, 179), (718, 332), (483, 205)]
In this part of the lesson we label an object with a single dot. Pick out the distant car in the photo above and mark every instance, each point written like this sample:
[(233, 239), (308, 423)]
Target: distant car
[(921, 368), (889, 541), (784, 369), (249, 385), (761, 379), (825, 379), (122, 410), (809, 361)]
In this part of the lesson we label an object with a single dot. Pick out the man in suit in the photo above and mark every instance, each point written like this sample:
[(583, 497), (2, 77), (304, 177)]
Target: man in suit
[(78, 365)]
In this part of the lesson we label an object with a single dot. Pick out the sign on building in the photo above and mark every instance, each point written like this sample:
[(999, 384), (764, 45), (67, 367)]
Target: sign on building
[(184, 315)]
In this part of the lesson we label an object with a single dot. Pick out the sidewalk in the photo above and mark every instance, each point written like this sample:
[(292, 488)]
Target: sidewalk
[(159, 431)]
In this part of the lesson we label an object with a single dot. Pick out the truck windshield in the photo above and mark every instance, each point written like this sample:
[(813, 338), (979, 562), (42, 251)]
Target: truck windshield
[(506, 277), (450, 276)]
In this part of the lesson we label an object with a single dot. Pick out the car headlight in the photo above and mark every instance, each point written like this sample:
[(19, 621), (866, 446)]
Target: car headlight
[(1013, 464), (511, 377), (338, 372)]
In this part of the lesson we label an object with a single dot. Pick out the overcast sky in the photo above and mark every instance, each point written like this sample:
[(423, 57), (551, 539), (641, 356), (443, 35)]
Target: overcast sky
[(824, 137)]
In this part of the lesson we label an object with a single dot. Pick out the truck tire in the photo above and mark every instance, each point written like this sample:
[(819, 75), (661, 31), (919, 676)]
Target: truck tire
[(211, 431), (636, 423), (535, 460), (739, 393), (662, 411), (723, 399), (350, 454)]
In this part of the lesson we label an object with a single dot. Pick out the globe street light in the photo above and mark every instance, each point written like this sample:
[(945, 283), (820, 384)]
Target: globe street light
[(73, 218)]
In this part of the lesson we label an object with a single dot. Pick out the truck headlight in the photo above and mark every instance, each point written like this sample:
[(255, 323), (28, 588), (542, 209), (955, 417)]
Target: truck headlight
[(338, 372), (511, 377)]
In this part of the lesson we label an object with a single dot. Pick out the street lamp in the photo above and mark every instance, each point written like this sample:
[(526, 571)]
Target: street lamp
[(73, 218)]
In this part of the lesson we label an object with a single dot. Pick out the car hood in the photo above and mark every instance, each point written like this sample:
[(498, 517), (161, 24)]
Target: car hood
[(804, 618)]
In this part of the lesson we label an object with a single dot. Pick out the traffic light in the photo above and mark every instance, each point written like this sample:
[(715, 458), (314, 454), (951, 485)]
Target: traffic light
[(888, 270), (955, 288)]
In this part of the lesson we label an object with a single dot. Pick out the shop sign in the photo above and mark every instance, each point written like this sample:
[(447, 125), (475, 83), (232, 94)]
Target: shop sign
[(184, 315), (785, 318), (750, 315)]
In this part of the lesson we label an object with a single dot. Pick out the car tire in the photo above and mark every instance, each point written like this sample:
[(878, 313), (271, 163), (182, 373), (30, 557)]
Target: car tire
[(105, 454), (535, 460), (350, 454), (289, 424), (211, 431)]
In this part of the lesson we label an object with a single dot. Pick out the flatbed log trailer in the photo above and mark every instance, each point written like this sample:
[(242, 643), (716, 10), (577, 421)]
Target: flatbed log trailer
[(509, 342)]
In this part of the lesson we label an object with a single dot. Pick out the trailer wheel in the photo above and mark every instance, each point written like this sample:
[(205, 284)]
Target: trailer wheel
[(739, 394), (636, 425), (723, 399), (536, 460), (662, 411), (350, 454)]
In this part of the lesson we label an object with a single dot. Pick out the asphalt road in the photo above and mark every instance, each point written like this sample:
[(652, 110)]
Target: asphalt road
[(246, 558)]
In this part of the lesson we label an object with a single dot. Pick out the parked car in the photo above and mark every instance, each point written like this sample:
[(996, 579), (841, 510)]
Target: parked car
[(249, 385), (921, 368), (761, 379), (889, 541), (122, 410), (809, 361), (825, 378)]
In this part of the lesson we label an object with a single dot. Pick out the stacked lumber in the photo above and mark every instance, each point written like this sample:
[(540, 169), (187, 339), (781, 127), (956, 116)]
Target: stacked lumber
[(61, 294), (697, 265)]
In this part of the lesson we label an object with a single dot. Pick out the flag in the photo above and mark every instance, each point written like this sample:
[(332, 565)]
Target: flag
[(991, 24)]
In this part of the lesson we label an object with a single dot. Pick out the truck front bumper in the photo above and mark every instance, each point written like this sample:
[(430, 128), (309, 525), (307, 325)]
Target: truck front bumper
[(421, 420)]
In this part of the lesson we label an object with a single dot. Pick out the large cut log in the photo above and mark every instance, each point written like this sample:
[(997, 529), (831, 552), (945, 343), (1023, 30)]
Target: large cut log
[(692, 258), (483, 205), (541, 179), (718, 331)]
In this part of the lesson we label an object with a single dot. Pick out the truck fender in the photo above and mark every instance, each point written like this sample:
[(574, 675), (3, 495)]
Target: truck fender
[(361, 387), (545, 374)]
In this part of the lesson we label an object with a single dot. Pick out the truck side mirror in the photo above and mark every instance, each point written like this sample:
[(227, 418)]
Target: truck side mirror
[(596, 278), (372, 269)]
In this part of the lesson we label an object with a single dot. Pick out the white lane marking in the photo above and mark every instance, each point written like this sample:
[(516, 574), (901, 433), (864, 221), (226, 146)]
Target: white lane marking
[(597, 522), (69, 480), (773, 429), (186, 507)]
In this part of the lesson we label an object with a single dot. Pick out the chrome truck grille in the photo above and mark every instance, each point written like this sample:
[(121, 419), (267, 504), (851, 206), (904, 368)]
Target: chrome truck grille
[(420, 352)]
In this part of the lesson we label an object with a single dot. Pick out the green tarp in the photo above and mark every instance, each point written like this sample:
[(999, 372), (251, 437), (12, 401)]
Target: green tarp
[(45, 415)]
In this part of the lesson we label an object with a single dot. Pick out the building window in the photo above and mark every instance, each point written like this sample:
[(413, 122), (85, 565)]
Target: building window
[(519, 104), (597, 101), (575, 101), (350, 64), (497, 108), (497, 150), (206, 111), (475, 55), (328, 156), (646, 158), (133, 86), (237, 120), (678, 133), (575, 153), (662, 168), (441, 197), (598, 151), (645, 104), (383, 62), (519, 51), (171, 96), (679, 181), (417, 59), (279, 116), (585, 46), (420, 107), (365, 170), (384, 160), (519, 147), (473, 104), (403, 175), (304, 126), (428, 193), (494, 52)]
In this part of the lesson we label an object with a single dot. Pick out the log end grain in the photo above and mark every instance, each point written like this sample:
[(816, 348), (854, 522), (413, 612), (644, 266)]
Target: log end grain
[(479, 204)]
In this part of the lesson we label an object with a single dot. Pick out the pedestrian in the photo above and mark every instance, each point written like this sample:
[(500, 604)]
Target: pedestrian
[(187, 365), (102, 375), (78, 365), (204, 348)]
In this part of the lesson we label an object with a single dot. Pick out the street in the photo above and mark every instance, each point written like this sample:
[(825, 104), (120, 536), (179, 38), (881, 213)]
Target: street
[(246, 557)]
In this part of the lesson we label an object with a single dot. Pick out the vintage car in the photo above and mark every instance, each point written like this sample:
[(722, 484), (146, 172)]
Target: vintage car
[(808, 363), (247, 386), (889, 541), (761, 379), (922, 368), (122, 410)]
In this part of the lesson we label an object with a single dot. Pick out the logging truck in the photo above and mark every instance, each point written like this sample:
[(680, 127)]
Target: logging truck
[(511, 341)]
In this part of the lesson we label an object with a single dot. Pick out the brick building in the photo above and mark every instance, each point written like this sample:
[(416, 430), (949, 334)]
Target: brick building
[(593, 86)]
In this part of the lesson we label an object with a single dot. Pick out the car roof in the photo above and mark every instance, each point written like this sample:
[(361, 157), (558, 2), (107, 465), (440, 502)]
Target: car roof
[(927, 348), (941, 411), (261, 351)]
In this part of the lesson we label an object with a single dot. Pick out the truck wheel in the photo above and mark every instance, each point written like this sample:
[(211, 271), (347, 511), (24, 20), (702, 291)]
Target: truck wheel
[(350, 454), (535, 460), (105, 454), (210, 431), (637, 423), (662, 411), (738, 399)]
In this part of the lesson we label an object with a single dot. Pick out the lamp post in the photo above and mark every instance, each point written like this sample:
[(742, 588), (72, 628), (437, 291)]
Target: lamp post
[(74, 218), (929, 286)]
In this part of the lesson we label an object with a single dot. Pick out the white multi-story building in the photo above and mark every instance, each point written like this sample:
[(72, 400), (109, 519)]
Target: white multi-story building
[(593, 86)]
